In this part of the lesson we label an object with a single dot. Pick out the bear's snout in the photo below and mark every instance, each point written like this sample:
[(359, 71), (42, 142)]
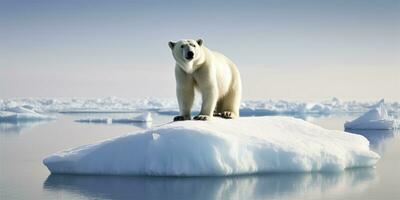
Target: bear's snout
[(189, 55)]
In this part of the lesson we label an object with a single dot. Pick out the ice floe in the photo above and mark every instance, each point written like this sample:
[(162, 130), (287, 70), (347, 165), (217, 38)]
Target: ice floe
[(219, 147), (144, 117)]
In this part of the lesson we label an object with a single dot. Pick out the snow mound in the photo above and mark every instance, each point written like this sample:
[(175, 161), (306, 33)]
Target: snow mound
[(22, 114), (219, 147), (377, 119), (145, 117)]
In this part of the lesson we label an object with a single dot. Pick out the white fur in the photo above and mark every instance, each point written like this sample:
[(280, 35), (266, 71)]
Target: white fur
[(214, 75)]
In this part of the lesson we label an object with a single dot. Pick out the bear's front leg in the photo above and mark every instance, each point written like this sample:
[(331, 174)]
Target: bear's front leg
[(209, 96), (184, 93), (185, 101)]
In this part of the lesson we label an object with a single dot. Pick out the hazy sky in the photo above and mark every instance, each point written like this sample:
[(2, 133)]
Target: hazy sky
[(284, 49)]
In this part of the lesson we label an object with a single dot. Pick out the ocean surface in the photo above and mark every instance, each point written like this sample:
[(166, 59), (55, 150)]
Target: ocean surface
[(23, 176)]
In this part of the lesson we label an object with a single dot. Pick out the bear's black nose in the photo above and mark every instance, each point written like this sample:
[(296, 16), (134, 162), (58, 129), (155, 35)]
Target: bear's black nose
[(189, 55)]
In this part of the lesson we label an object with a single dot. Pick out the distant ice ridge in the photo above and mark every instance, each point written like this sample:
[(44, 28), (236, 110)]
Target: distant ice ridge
[(219, 147), (170, 106), (334, 105), (81, 105), (24, 113), (145, 117), (377, 119)]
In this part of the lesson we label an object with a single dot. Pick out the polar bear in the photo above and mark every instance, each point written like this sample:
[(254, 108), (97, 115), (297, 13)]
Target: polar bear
[(212, 74)]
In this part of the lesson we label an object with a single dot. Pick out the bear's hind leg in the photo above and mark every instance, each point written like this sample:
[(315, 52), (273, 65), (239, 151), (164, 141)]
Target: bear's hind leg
[(209, 96), (230, 105)]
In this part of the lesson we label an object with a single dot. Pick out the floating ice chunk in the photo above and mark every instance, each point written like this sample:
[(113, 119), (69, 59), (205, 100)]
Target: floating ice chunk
[(145, 117), (22, 114), (219, 147), (377, 118)]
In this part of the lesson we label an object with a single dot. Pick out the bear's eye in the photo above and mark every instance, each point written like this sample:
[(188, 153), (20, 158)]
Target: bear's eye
[(182, 46)]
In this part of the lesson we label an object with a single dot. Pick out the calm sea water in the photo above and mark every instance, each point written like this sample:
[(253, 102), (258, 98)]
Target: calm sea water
[(23, 176)]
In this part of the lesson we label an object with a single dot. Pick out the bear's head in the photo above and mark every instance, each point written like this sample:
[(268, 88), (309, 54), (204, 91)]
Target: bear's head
[(187, 53)]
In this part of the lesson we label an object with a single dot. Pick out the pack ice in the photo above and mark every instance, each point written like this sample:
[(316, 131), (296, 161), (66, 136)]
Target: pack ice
[(170, 106), (376, 118), (219, 147)]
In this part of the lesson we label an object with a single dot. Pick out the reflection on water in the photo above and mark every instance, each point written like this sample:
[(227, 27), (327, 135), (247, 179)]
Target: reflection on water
[(17, 128), (376, 138), (241, 187)]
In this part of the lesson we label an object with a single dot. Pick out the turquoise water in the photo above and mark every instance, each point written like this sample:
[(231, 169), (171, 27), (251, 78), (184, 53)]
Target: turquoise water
[(23, 176)]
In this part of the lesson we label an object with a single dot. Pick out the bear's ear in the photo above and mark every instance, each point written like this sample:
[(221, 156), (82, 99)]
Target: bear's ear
[(171, 44), (199, 42)]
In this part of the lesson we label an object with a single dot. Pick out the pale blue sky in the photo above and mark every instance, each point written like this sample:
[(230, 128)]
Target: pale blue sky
[(284, 49)]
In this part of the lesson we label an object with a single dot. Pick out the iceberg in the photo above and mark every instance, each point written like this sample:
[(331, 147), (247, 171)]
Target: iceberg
[(22, 114), (219, 147), (376, 118)]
